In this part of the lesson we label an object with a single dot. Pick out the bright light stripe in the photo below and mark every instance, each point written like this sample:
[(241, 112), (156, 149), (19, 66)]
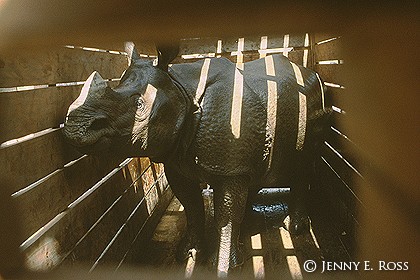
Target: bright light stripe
[(269, 66), (294, 267), (271, 115), (286, 239), (149, 97), (276, 50), (203, 79), (286, 44), (197, 55), (338, 110), (302, 122), (322, 92), (263, 46), (327, 40), (306, 51), (328, 62), (236, 112), (219, 46), (34, 237), (99, 184), (189, 268), (258, 267), (45, 178), (314, 238), (224, 250), (93, 83), (256, 241), (298, 74), (333, 85), (345, 161), (27, 137)]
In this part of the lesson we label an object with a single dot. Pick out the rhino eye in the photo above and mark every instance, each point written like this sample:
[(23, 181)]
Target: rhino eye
[(140, 103)]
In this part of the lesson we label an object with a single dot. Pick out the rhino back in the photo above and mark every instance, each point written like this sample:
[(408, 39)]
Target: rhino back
[(218, 149)]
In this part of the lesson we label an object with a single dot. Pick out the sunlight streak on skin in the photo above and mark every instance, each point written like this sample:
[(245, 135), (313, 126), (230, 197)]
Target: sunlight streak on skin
[(189, 268), (256, 241), (258, 267), (302, 122), (271, 106), (224, 250), (322, 91), (149, 98), (286, 239), (294, 267), (203, 79), (298, 74), (92, 85), (238, 88)]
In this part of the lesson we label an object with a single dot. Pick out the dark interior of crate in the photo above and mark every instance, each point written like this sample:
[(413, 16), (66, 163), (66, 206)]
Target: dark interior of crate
[(73, 209)]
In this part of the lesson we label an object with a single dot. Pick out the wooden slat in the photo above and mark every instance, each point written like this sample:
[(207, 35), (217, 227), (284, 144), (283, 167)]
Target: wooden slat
[(74, 222), (39, 205), (329, 51), (111, 222), (319, 37), (136, 224), (198, 46), (344, 181), (26, 112), (58, 65), (144, 233), (25, 163), (332, 73)]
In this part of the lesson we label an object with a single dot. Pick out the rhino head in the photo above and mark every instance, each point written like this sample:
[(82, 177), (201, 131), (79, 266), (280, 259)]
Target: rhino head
[(142, 116)]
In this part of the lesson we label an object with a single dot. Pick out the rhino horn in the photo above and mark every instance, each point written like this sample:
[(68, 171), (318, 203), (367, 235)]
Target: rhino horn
[(94, 87), (132, 54)]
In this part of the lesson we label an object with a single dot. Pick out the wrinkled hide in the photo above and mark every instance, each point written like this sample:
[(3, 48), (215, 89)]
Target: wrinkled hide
[(236, 127)]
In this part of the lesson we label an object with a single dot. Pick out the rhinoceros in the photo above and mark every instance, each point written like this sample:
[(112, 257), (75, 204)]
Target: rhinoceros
[(238, 127)]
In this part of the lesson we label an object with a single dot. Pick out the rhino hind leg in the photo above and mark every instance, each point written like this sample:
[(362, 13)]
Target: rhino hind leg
[(230, 197), (189, 194), (299, 220)]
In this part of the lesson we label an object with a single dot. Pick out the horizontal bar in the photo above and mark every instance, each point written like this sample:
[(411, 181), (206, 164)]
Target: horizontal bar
[(35, 87), (34, 237), (327, 40), (98, 184), (341, 179), (138, 234), (342, 158), (28, 137)]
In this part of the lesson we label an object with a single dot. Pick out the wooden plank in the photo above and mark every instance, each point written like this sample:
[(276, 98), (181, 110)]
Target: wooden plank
[(320, 37), (69, 226), (26, 112), (198, 45), (139, 224), (341, 178), (57, 66), (332, 73), (42, 203), (329, 51), (29, 161)]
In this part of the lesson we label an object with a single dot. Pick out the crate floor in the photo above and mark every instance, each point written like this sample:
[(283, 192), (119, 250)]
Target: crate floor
[(271, 253)]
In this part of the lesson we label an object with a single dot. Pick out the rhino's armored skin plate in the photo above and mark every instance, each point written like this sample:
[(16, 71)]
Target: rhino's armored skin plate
[(238, 129)]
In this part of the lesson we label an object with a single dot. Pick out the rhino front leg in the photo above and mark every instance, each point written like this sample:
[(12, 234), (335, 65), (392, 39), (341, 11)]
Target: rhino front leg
[(230, 197), (188, 193)]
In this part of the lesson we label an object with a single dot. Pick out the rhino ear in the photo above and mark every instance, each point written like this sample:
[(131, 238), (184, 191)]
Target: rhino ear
[(132, 54), (167, 52)]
